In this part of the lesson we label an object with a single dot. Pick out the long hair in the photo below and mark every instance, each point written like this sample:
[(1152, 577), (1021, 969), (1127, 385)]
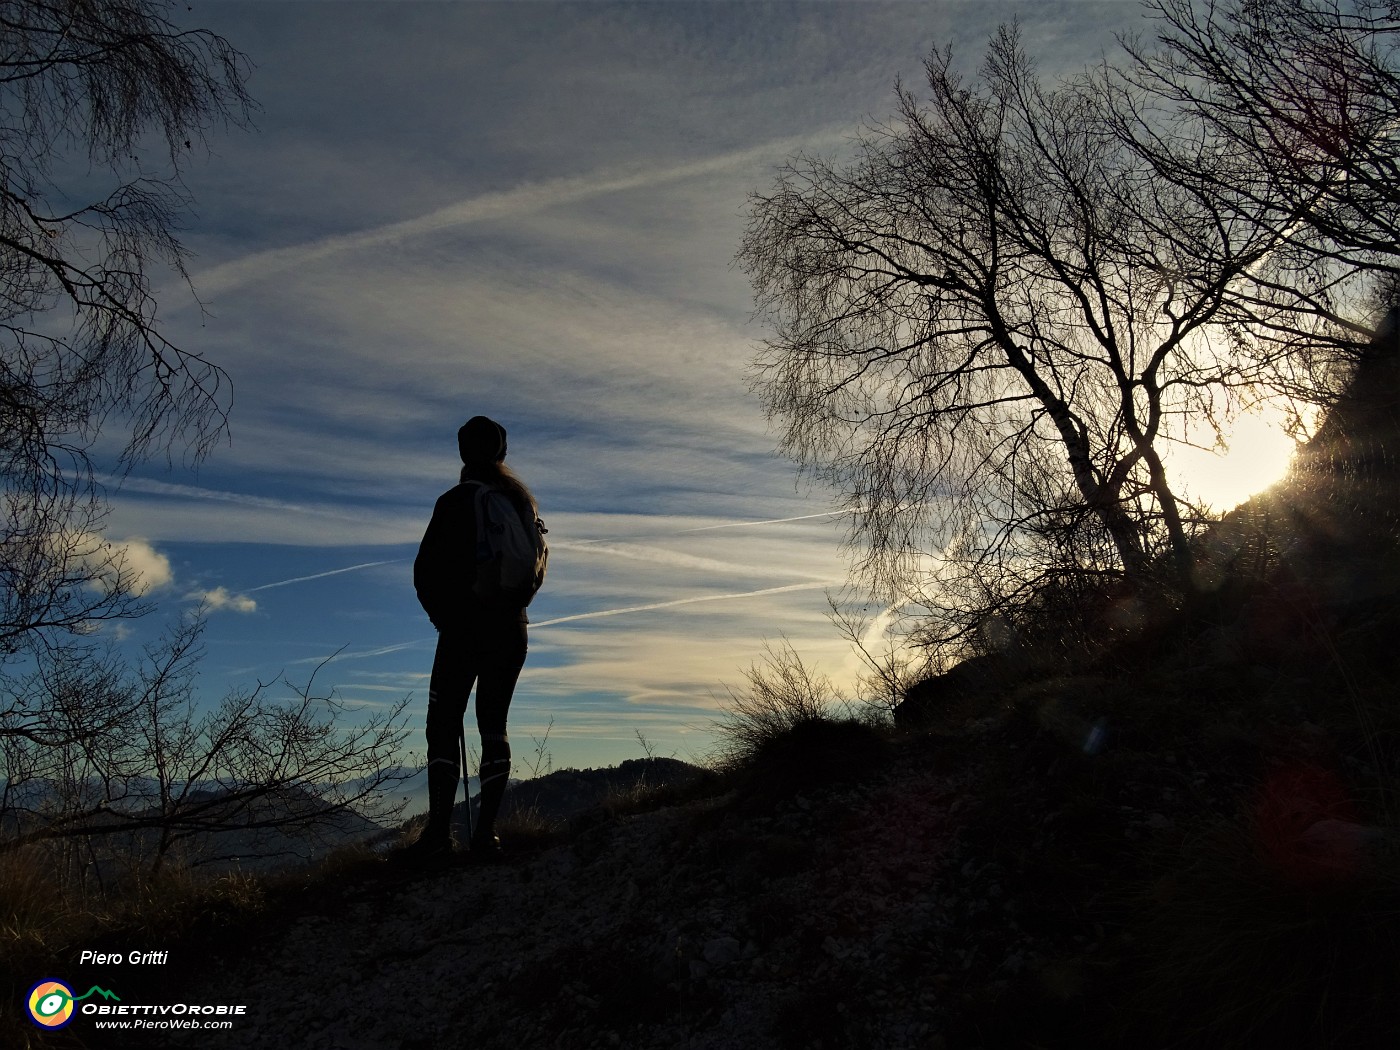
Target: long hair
[(500, 476)]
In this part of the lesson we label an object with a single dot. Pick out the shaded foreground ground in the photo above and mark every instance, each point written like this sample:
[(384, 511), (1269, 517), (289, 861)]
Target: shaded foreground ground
[(1167, 856)]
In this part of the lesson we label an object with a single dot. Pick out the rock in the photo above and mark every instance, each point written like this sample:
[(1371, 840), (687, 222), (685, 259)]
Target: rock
[(722, 951)]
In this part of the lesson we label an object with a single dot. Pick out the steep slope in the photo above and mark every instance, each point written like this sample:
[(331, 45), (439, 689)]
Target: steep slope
[(992, 887)]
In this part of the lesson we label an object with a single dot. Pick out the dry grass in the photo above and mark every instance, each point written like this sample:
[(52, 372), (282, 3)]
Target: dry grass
[(527, 830), (644, 797), (43, 927), (37, 924), (782, 693)]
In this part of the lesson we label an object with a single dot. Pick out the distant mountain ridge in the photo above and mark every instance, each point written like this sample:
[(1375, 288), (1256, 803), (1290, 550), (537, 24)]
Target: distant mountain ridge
[(214, 828)]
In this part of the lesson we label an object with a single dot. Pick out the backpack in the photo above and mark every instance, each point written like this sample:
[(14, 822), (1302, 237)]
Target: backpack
[(510, 552)]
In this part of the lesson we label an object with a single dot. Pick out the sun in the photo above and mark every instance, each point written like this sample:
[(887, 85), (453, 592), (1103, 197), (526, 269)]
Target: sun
[(1257, 454)]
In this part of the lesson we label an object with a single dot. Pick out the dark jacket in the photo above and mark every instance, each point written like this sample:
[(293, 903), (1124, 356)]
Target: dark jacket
[(444, 573)]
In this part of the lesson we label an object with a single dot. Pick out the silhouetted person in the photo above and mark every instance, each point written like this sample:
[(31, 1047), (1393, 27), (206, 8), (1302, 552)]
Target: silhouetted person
[(481, 635)]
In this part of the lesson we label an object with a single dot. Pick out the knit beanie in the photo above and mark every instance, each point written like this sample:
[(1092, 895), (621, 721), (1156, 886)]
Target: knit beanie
[(481, 440)]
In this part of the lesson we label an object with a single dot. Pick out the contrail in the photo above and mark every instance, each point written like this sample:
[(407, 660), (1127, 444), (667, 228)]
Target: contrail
[(682, 601), (385, 650), (429, 642), (531, 197), (165, 488), (320, 575), (772, 521), (661, 556), (363, 654)]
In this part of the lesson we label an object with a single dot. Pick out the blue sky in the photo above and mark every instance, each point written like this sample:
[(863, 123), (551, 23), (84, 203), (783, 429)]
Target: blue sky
[(527, 210)]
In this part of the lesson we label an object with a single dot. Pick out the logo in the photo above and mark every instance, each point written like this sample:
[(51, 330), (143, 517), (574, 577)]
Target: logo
[(51, 1002)]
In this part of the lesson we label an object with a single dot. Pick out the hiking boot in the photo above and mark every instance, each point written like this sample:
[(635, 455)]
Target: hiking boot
[(426, 853), (433, 847), (485, 849)]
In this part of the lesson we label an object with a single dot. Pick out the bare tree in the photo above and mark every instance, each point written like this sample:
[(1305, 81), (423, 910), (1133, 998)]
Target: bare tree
[(888, 668), (101, 103), (1286, 116), (989, 325), (127, 762)]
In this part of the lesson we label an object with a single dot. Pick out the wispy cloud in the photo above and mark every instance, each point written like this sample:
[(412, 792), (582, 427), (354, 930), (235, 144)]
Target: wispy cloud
[(190, 513), (377, 270), (428, 642), (195, 493)]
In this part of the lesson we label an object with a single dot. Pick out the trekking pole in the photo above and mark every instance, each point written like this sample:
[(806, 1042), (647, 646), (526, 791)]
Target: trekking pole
[(466, 783)]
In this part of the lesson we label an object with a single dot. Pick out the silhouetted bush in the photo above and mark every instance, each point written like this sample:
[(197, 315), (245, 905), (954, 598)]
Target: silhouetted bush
[(782, 694), (815, 753)]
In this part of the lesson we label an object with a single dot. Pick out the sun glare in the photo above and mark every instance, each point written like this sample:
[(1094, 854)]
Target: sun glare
[(1258, 454)]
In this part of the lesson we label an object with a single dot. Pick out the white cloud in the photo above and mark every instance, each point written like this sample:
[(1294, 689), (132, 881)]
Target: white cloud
[(150, 568), (219, 599), (131, 563)]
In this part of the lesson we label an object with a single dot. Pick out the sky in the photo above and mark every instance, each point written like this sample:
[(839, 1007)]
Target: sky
[(530, 211)]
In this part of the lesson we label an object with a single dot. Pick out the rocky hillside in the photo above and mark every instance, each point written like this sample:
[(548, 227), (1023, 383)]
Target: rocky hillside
[(1172, 858), (829, 910)]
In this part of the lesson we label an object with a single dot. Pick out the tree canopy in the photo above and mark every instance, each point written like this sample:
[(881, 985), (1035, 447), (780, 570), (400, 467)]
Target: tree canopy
[(994, 318), (1283, 116), (101, 105)]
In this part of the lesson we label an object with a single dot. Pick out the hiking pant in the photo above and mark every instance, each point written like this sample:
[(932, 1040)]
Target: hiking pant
[(489, 655)]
